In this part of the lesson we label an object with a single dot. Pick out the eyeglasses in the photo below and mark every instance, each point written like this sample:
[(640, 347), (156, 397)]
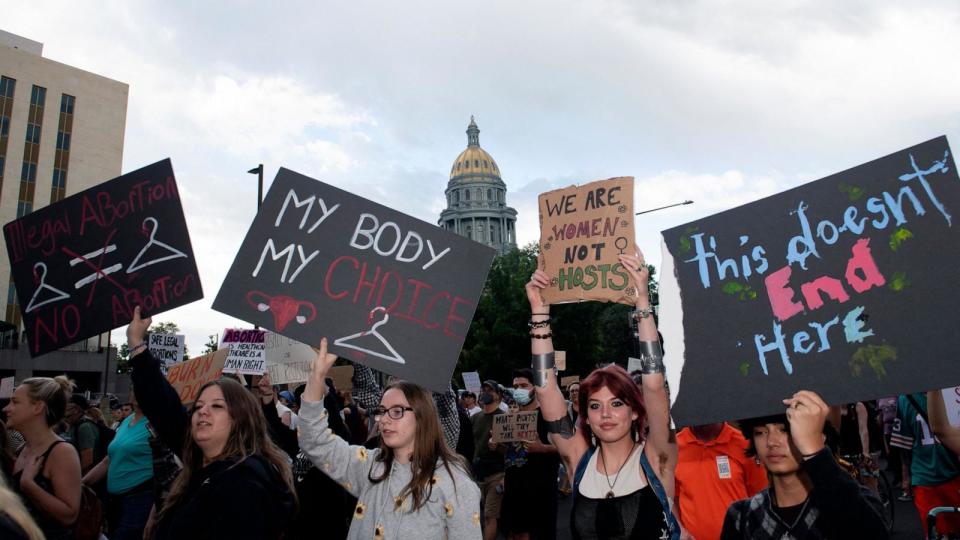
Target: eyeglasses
[(395, 412)]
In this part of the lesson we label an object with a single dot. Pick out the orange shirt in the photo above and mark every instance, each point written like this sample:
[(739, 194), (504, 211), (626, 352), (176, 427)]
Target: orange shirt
[(710, 476)]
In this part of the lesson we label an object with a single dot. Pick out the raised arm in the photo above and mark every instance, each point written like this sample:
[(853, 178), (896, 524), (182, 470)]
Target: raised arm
[(660, 440), (948, 434), (348, 465), (158, 399), (570, 444)]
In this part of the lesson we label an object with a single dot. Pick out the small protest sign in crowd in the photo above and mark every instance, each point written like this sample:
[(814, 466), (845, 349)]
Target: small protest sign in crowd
[(793, 370)]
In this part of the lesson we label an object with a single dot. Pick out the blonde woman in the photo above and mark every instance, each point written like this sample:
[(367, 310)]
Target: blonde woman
[(47, 471), (15, 521)]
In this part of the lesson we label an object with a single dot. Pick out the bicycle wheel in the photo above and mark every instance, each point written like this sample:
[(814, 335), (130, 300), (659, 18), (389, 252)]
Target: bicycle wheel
[(887, 499)]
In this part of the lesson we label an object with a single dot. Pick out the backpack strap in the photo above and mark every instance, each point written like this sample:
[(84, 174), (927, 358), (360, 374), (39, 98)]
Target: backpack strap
[(581, 468), (661, 493)]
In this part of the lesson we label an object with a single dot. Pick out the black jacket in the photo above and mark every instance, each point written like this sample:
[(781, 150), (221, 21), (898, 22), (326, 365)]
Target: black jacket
[(230, 498)]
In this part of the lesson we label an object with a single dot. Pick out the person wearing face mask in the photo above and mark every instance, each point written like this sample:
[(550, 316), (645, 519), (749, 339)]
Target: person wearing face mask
[(530, 472), (488, 459), (235, 482), (412, 486)]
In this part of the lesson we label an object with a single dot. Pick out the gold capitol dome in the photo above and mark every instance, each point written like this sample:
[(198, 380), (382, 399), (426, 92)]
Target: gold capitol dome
[(474, 161), (477, 198)]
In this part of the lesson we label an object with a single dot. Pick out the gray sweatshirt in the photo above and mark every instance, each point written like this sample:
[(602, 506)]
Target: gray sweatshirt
[(452, 511)]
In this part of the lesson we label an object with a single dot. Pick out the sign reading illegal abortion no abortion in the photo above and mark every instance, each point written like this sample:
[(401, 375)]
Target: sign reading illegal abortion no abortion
[(843, 286), (81, 265), (387, 290)]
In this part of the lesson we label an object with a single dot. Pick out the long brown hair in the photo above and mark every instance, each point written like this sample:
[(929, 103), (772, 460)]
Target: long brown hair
[(429, 447), (248, 436)]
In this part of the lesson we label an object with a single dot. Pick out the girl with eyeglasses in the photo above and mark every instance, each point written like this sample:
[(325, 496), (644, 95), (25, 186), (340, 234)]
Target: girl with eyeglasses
[(620, 454), (413, 485)]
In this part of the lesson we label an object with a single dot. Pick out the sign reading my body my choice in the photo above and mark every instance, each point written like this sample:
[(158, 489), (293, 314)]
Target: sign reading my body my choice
[(843, 286), (82, 264), (386, 289)]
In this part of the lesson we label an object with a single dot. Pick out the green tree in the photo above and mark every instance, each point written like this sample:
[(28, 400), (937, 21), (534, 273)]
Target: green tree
[(123, 352), (211, 345), (591, 333)]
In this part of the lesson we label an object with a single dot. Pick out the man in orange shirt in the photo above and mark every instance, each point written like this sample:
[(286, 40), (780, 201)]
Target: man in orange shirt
[(713, 471)]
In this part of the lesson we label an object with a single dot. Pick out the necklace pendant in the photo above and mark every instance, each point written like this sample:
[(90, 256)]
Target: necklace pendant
[(610, 494)]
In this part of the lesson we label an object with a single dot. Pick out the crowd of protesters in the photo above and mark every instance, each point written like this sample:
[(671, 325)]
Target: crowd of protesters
[(249, 459)]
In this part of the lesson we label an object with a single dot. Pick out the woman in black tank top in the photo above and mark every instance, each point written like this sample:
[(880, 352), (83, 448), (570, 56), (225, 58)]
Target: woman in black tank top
[(617, 426), (46, 474)]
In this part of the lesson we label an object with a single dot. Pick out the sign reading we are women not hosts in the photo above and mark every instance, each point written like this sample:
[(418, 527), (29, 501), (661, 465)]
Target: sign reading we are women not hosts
[(843, 286)]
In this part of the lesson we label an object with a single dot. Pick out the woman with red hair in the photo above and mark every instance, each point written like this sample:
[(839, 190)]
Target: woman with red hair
[(619, 453)]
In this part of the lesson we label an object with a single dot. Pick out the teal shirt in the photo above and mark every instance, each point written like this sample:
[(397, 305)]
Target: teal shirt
[(131, 461), (931, 463)]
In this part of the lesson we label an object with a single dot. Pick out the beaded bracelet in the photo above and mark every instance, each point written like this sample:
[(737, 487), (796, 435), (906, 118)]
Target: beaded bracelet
[(548, 335)]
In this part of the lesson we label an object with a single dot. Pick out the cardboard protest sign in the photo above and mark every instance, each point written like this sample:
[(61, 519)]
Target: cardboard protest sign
[(633, 364), (840, 286), (168, 348), (471, 381), (567, 381), (560, 360), (389, 291), (342, 377), (188, 377), (287, 360), (6, 387), (951, 399), (82, 264), (514, 426), (583, 230), (247, 349)]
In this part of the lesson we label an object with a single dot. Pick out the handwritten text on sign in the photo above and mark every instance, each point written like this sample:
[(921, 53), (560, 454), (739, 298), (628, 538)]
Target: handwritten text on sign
[(388, 290), (82, 264), (825, 286), (583, 230), (188, 377), (515, 426), (246, 351), (168, 348)]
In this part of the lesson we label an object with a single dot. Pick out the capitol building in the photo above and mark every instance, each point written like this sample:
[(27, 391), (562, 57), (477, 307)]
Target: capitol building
[(477, 198)]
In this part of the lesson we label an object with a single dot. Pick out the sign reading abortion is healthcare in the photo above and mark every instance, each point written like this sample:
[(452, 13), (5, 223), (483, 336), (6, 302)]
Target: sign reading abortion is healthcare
[(81, 265), (843, 286), (388, 290)]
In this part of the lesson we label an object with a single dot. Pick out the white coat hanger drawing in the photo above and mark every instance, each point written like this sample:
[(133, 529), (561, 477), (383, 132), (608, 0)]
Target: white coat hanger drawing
[(350, 341), (172, 252), (57, 293)]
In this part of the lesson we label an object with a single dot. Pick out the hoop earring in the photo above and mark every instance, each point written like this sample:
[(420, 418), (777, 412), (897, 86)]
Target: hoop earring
[(593, 439), (636, 434)]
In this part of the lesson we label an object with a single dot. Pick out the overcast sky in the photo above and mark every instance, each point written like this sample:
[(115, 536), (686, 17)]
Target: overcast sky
[(718, 102)]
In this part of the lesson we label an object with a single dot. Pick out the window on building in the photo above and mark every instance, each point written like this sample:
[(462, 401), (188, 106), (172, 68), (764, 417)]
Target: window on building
[(466, 194), (489, 194), (476, 163)]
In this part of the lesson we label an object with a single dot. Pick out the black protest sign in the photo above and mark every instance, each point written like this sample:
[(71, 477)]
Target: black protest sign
[(843, 286), (388, 290), (81, 265)]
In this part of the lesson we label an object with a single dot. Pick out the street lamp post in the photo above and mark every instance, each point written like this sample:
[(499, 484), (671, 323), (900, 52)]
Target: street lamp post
[(258, 170)]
